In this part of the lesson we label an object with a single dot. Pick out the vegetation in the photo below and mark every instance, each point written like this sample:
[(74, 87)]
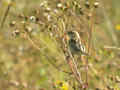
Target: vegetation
[(33, 55)]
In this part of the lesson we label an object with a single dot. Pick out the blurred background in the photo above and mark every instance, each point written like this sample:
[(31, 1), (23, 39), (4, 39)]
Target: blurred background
[(31, 55)]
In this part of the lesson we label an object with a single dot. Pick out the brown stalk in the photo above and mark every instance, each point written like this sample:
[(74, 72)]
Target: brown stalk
[(91, 27), (5, 16)]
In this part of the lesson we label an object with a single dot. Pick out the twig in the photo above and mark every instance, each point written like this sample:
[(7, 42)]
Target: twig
[(33, 43), (75, 67), (5, 16), (74, 72), (91, 27), (112, 47), (72, 64)]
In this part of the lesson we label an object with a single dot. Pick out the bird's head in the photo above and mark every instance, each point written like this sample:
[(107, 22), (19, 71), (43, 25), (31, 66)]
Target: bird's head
[(73, 35)]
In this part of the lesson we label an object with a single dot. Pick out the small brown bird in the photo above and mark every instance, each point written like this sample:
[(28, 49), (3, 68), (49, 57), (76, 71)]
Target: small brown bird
[(74, 43)]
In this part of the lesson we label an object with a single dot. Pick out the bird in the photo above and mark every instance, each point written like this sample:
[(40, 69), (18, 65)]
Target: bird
[(75, 44)]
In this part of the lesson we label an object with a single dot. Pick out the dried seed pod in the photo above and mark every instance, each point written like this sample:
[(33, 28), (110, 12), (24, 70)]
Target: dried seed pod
[(21, 15), (12, 23), (16, 33), (59, 5), (74, 3), (32, 18), (15, 83), (79, 6), (96, 4), (81, 12), (22, 22), (48, 9), (87, 4), (117, 79), (89, 16), (28, 29), (109, 87)]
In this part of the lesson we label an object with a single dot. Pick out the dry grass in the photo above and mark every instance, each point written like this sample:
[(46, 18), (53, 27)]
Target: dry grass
[(31, 49)]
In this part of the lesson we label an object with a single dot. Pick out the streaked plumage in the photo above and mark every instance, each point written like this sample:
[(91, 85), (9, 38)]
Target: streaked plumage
[(75, 44)]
